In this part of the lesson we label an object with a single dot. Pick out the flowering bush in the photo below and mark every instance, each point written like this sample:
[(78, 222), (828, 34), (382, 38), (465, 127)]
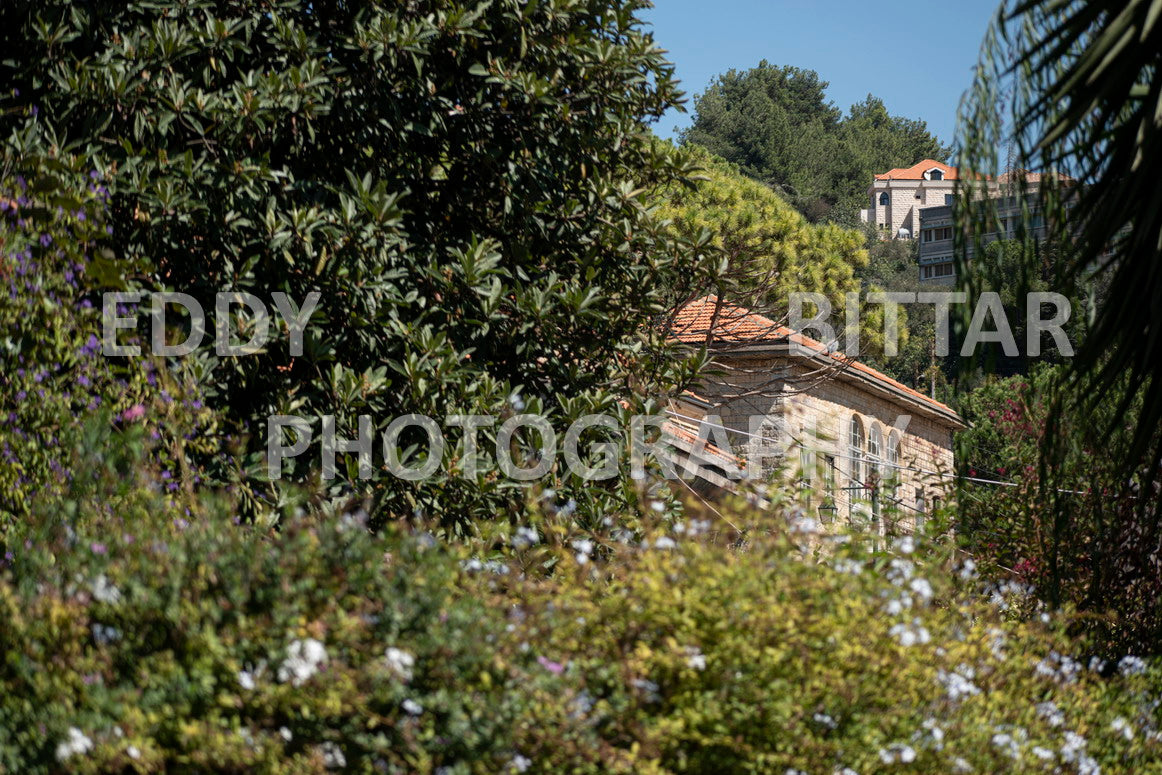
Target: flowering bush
[(58, 393), (1073, 524), (148, 644)]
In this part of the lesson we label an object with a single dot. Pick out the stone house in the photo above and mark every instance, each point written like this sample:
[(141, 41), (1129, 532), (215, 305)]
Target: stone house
[(896, 196), (861, 446)]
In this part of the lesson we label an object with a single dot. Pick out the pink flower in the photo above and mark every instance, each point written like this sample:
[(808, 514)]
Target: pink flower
[(133, 413), (553, 667)]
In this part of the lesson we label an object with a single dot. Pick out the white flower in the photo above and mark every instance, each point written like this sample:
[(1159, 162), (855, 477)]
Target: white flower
[(285, 734), (400, 662), (935, 732), (910, 634), (520, 763), (967, 570), (411, 707), (922, 589), (1006, 742), (333, 758), (825, 720), (958, 684), (695, 659), (525, 537), (1065, 671), (906, 545), (76, 742), (897, 752), (303, 658), (1074, 747), (900, 570), (1051, 713), (1043, 753), (853, 567), (1121, 725), (1131, 665), (105, 591), (665, 542), (246, 679), (960, 765), (133, 752)]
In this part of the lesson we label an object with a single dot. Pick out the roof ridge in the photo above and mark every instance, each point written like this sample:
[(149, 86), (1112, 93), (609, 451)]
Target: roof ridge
[(783, 332)]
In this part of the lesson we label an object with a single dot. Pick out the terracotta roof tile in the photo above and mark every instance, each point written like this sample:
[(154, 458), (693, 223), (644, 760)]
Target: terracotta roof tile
[(738, 324), (916, 171)]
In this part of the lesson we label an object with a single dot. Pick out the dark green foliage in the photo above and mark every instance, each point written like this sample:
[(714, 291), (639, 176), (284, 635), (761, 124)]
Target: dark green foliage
[(777, 125), (463, 182), (1074, 89)]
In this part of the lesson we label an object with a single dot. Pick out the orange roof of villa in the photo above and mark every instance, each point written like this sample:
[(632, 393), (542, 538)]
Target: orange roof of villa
[(737, 324), (916, 171)]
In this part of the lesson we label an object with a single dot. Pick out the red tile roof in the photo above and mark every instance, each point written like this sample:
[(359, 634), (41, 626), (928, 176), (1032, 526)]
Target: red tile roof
[(738, 324), (916, 171)]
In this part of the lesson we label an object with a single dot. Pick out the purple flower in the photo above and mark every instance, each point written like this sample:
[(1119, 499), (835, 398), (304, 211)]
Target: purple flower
[(45, 240), (556, 668), (98, 548), (92, 346), (133, 413)]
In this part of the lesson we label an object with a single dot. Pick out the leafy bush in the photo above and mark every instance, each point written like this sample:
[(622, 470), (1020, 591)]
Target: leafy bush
[(55, 385), (1071, 527), (465, 183), (147, 645)]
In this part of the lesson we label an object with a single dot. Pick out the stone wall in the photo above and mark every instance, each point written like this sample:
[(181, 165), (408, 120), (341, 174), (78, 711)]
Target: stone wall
[(810, 420), (903, 208)]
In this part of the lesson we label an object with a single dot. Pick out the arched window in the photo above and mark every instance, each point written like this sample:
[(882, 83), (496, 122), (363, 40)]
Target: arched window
[(855, 449), (875, 443), (884, 199), (875, 472), (894, 464), (935, 174)]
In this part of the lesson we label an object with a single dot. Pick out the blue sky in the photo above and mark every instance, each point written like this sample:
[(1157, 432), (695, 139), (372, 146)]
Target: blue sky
[(915, 56)]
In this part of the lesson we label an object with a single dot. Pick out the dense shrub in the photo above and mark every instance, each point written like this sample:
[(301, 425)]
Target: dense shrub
[(465, 183), (56, 388), (148, 644), (1075, 526)]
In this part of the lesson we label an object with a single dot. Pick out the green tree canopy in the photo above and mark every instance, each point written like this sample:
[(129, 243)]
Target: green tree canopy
[(769, 249), (778, 126), (462, 182)]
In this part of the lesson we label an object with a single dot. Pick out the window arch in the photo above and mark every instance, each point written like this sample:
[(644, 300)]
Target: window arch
[(855, 449), (884, 198), (875, 446), (934, 174), (894, 463)]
